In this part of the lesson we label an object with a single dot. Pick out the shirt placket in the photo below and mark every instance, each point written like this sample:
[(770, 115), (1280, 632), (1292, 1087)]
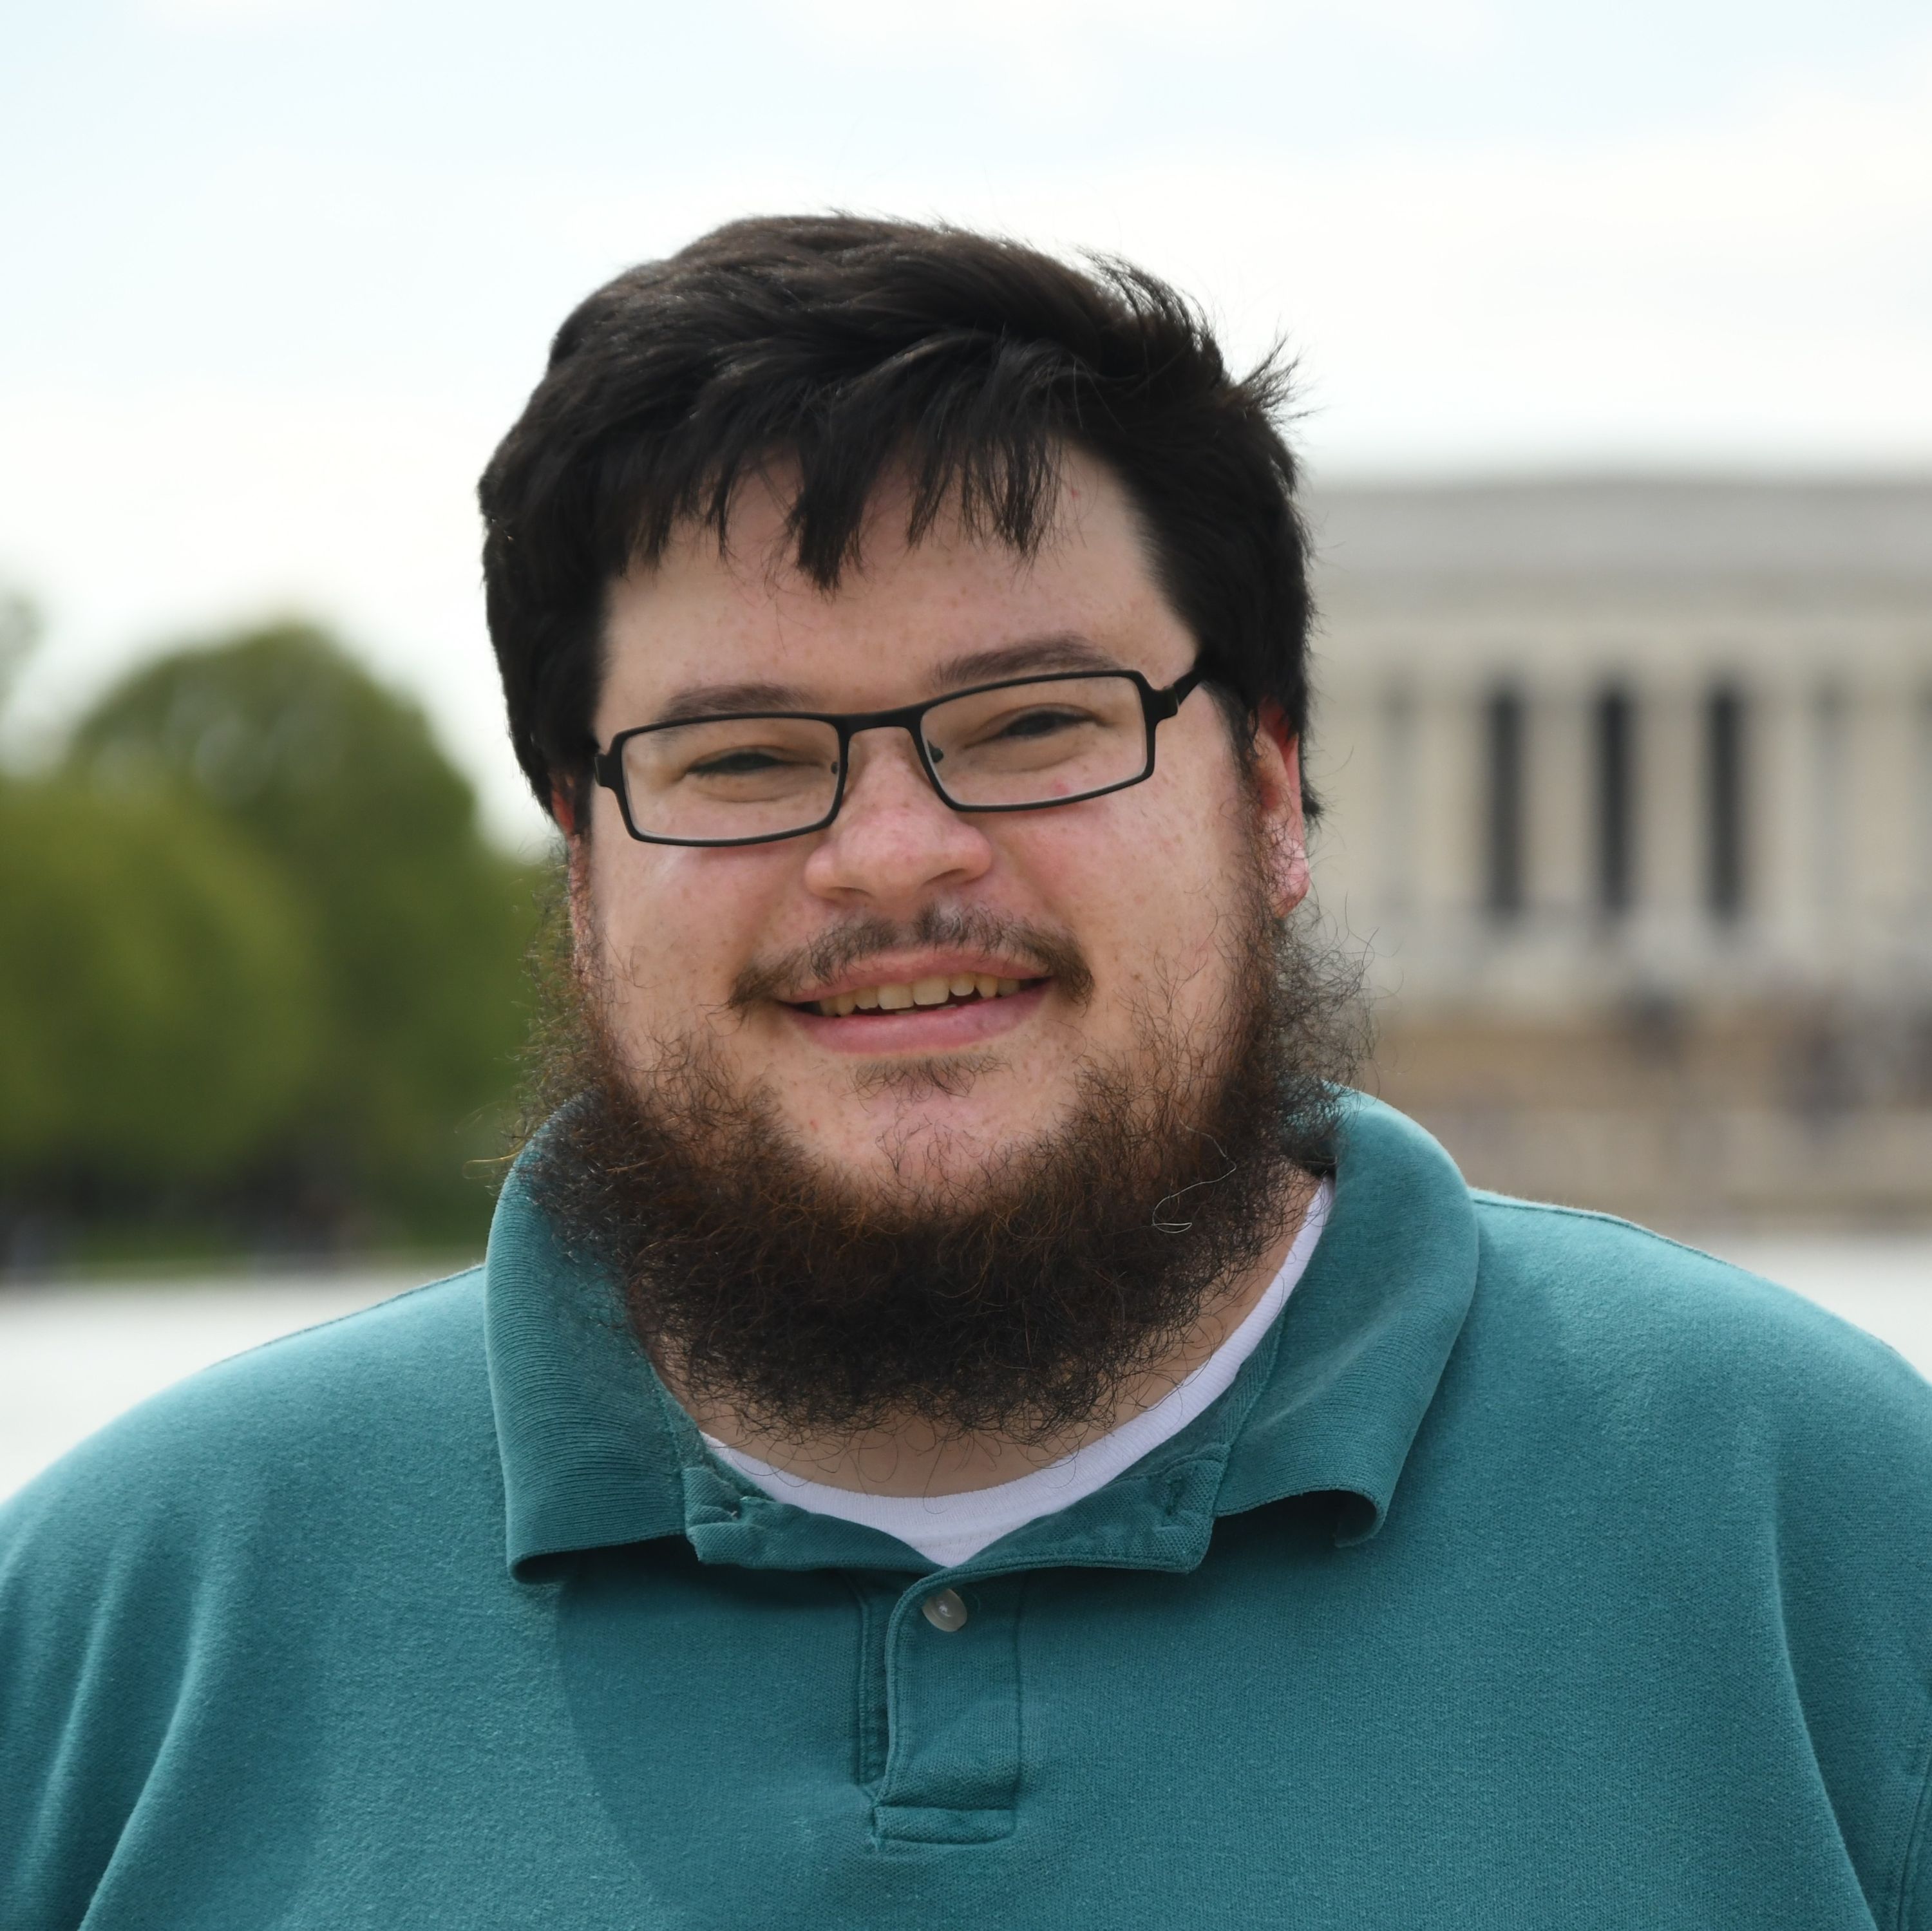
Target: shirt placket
[(951, 1696)]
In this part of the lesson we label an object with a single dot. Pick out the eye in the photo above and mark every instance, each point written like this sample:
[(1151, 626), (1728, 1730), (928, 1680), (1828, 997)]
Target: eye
[(738, 764), (1039, 723)]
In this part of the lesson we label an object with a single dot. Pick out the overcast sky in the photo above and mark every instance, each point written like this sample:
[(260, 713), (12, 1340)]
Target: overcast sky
[(276, 273)]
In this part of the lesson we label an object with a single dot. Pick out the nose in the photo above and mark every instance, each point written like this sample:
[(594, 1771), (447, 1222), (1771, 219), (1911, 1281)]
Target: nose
[(895, 838)]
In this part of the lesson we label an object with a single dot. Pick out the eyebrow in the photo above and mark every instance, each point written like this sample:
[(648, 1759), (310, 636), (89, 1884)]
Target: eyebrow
[(1066, 650), (716, 700), (1063, 651)]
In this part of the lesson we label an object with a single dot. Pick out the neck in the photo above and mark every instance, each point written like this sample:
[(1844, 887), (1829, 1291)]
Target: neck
[(909, 1456)]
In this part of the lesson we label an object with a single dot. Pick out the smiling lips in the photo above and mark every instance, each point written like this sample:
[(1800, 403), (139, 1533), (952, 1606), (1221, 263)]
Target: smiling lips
[(953, 988)]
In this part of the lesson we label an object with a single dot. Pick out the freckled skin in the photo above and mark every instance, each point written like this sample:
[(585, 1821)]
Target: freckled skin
[(1140, 879)]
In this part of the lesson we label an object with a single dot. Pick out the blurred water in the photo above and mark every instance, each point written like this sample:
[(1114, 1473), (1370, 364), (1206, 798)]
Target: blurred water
[(72, 1357)]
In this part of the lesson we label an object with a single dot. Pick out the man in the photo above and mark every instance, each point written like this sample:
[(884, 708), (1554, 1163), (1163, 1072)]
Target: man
[(965, 1420)]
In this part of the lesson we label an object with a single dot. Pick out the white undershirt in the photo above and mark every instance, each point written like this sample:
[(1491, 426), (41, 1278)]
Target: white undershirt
[(951, 1529)]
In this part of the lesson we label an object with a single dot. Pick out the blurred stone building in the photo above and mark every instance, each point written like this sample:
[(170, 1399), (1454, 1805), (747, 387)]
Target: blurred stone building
[(1630, 790)]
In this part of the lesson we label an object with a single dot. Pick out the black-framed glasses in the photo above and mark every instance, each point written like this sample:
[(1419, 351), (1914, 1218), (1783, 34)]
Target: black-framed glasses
[(1022, 744)]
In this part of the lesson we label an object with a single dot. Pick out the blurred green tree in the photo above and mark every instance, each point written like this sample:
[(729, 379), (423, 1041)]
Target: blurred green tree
[(411, 927), (158, 1009)]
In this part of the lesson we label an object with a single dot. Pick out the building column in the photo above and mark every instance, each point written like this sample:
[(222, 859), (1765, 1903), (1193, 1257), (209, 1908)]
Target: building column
[(1882, 830), (1779, 817), (1670, 827), (1561, 874)]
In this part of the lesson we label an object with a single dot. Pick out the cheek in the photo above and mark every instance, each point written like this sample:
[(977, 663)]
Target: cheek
[(1144, 888), (674, 933)]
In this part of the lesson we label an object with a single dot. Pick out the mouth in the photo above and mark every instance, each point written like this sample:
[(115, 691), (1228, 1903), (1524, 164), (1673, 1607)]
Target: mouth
[(952, 989), (933, 1013)]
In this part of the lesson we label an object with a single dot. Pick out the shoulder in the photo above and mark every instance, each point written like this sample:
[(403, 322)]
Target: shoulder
[(188, 1565), (1752, 1475), (1643, 1290), (1643, 1329), (357, 1403)]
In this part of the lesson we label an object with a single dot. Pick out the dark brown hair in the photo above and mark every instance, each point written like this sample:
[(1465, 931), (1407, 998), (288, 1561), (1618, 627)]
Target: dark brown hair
[(849, 345)]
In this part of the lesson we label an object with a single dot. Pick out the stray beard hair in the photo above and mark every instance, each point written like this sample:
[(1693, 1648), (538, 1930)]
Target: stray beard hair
[(1023, 1305)]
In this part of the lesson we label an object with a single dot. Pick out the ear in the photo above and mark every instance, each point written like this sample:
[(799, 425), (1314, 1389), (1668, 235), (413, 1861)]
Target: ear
[(1277, 767)]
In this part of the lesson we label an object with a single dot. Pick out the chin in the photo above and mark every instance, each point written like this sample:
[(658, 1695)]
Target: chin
[(859, 1096), (921, 1127)]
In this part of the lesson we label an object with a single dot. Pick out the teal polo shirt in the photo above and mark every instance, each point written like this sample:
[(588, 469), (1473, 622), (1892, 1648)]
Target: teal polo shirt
[(1535, 1571)]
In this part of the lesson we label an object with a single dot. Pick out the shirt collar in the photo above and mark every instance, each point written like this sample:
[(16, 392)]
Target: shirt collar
[(595, 1453), (1364, 1339)]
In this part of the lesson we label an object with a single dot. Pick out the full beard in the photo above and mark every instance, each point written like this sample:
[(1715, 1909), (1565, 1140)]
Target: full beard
[(1022, 1297)]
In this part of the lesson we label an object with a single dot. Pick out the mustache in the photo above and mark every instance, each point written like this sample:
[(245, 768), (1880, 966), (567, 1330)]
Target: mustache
[(1055, 954)]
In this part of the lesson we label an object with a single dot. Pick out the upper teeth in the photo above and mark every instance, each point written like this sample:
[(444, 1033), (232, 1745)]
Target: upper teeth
[(934, 991)]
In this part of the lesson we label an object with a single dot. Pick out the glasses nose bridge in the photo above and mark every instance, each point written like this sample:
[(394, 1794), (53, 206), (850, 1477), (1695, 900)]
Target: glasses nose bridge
[(909, 718)]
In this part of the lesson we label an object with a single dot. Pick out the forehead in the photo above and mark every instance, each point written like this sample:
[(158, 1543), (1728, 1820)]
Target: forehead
[(907, 620)]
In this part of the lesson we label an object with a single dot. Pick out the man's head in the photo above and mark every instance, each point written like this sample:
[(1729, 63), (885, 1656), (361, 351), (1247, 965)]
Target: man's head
[(840, 467)]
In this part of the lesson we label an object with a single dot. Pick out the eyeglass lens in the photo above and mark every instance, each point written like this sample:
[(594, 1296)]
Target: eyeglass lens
[(1018, 745)]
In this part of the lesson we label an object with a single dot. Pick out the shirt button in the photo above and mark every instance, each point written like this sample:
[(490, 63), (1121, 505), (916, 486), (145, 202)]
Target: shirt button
[(944, 1611)]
